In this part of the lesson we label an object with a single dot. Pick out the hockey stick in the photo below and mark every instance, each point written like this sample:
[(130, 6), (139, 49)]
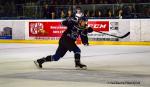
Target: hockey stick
[(115, 35)]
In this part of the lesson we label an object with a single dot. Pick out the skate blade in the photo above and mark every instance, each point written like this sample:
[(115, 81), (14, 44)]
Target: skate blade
[(78, 68), (36, 64)]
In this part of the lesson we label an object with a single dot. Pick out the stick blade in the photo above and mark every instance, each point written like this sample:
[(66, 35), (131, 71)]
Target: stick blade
[(127, 34)]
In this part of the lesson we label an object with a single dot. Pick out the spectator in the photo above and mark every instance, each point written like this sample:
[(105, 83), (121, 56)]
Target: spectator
[(69, 2), (1, 11), (147, 12), (53, 15), (128, 11), (93, 1), (62, 14), (69, 13), (52, 2), (105, 1), (92, 14), (13, 8), (86, 1), (102, 1), (52, 12), (119, 14), (109, 13), (46, 11), (74, 2), (98, 14), (86, 13)]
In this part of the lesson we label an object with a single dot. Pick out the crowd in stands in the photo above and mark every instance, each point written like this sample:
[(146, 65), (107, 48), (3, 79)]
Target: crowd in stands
[(57, 9)]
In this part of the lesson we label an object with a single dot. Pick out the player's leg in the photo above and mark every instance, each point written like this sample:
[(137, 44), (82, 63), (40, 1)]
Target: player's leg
[(39, 62), (77, 55), (60, 52)]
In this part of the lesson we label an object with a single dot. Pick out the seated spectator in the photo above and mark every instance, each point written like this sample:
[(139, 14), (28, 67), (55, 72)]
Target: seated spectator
[(69, 13), (109, 13), (86, 13), (102, 1), (119, 14), (147, 12), (128, 11), (53, 15), (46, 11), (98, 14), (62, 14), (92, 14)]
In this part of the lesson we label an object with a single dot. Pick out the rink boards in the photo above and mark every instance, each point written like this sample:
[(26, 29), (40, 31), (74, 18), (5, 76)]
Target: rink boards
[(91, 42), (49, 31)]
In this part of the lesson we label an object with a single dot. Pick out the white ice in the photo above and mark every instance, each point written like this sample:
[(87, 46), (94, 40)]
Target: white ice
[(106, 64)]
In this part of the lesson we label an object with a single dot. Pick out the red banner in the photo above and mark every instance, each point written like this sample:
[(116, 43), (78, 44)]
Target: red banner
[(46, 29), (55, 29)]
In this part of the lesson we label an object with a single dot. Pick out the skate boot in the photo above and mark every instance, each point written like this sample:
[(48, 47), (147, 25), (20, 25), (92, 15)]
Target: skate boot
[(39, 62), (80, 66)]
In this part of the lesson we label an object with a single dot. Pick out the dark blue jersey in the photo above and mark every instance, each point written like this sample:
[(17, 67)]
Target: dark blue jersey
[(74, 31)]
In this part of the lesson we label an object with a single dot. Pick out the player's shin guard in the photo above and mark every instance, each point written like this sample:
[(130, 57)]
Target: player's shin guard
[(39, 62), (78, 63)]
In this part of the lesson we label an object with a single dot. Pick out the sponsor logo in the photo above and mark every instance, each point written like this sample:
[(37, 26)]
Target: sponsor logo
[(114, 26), (36, 28), (99, 25)]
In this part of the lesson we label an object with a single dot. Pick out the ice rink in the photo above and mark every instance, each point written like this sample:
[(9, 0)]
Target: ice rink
[(108, 66)]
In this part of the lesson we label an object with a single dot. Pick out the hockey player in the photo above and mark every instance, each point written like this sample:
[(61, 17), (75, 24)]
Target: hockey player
[(67, 42)]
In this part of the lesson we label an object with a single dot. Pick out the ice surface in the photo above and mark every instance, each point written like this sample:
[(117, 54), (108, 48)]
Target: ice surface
[(105, 63)]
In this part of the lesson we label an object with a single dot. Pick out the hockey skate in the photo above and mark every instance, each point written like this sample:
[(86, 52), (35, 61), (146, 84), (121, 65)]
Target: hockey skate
[(39, 63), (80, 66)]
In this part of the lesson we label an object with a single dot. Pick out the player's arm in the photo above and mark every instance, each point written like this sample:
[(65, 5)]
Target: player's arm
[(84, 40), (69, 21)]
